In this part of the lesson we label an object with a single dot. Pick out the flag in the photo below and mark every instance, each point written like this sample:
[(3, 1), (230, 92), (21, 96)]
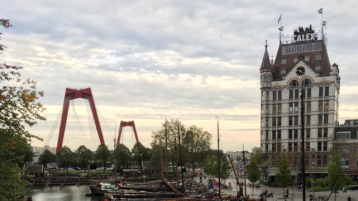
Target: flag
[(279, 19), (324, 23), (320, 11), (281, 28)]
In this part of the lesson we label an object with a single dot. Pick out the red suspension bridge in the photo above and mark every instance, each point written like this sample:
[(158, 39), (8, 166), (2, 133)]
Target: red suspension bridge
[(71, 129)]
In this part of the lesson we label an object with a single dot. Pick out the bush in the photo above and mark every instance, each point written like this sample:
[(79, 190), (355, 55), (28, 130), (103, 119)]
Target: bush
[(347, 180), (322, 183), (308, 182)]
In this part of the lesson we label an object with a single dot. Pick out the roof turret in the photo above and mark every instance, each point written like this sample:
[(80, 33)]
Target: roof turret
[(266, 59)]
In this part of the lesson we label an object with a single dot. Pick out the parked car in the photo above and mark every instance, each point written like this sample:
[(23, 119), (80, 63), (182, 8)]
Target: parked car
[(76, 168), (109, 169), (70, 169), (100, 168)]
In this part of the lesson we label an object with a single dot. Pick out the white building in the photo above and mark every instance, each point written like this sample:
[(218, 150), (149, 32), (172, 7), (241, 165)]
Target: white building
[(281, 84), (40, 150)]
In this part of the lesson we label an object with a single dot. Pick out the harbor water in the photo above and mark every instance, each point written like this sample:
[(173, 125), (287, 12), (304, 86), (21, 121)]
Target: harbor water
[(63, 193)]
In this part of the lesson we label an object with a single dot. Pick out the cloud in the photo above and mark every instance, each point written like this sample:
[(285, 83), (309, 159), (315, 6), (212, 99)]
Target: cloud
[(145, 60)]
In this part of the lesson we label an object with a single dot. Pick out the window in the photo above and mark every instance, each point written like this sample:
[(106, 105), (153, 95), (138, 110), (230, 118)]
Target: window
[(262, 135), (325, 132), (262, 95), (273, 135), (266, 147), (266, 122), (345, 162), (325, 105), (273, 108), (343, 149), (262, 109), (296, 107), (267, 134), (295, 60), (307, 58), (308, 92), (295, 120), (324, 160), (319, 132), (294, 83), (318, 68), (319, 160), (308, 133), (290, 121), (279, 147), (326, 91), (290, 107), (308, 146), (308, 107), (279, 108), (307, 82), (344, 135), (262, 122), (274, 95), (291, 94), (295, 133), (320, 119), (289, 147), (296, 93), (295, 147), (273, 121), (283, 61), (324, 146), (273, 147), (308, 119), (318, 57), (320, 91), (267, 95), (319, 147), (320, 105), (289, 134), (278, 121), (279, 95), (267, 108), (279, 134), (326, 119)]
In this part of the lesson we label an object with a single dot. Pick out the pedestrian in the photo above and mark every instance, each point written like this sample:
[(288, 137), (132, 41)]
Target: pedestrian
[(349, 198), (287, 192)]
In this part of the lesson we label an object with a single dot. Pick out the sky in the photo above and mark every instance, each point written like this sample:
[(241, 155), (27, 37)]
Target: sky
[(150, 60)]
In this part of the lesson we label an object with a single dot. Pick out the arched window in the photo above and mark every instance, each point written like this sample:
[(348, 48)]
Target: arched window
[(307, 82), (294, 83)]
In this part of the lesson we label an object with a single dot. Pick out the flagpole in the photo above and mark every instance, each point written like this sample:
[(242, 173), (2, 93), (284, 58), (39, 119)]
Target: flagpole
[(322, 25)]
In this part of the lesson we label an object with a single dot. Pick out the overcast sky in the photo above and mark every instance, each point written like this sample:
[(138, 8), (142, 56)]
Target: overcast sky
[(147, 60)]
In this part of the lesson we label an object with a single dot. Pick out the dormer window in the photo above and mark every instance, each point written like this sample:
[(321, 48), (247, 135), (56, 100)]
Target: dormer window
[(318, 57), (283, 61), (307, 58), (295, 60)]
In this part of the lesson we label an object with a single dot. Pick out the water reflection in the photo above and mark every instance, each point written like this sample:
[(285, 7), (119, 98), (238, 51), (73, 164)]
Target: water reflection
[(65, 193)]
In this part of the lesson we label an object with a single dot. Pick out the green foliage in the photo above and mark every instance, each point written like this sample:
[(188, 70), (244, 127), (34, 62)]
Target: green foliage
[(238, 158), (308, 182), (253, 172), (64, 157), (139, 153), (47, 157), (283, 175), (103, 155), (224, 167), (123, 156), (257, 157), (19, 109), (322, 182), (83, 157), (347, 180), (210, 165), (335, 170)]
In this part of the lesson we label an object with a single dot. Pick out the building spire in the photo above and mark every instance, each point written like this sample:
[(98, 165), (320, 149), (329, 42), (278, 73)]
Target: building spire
[(266, 59)]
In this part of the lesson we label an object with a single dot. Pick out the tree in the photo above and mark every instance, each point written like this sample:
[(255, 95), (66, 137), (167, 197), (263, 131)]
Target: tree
[(65, 157), (19, 108), (123, 156), (335, 170), (103, 155), (209, 165), (139, 153), (283, 175), (253, 173), (224, 167), (83, 157), (47, 157), (238, 158)]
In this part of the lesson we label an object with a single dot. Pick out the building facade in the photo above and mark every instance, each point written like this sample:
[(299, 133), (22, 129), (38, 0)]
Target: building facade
[(40, 150), (346, 142), (301, 64)]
